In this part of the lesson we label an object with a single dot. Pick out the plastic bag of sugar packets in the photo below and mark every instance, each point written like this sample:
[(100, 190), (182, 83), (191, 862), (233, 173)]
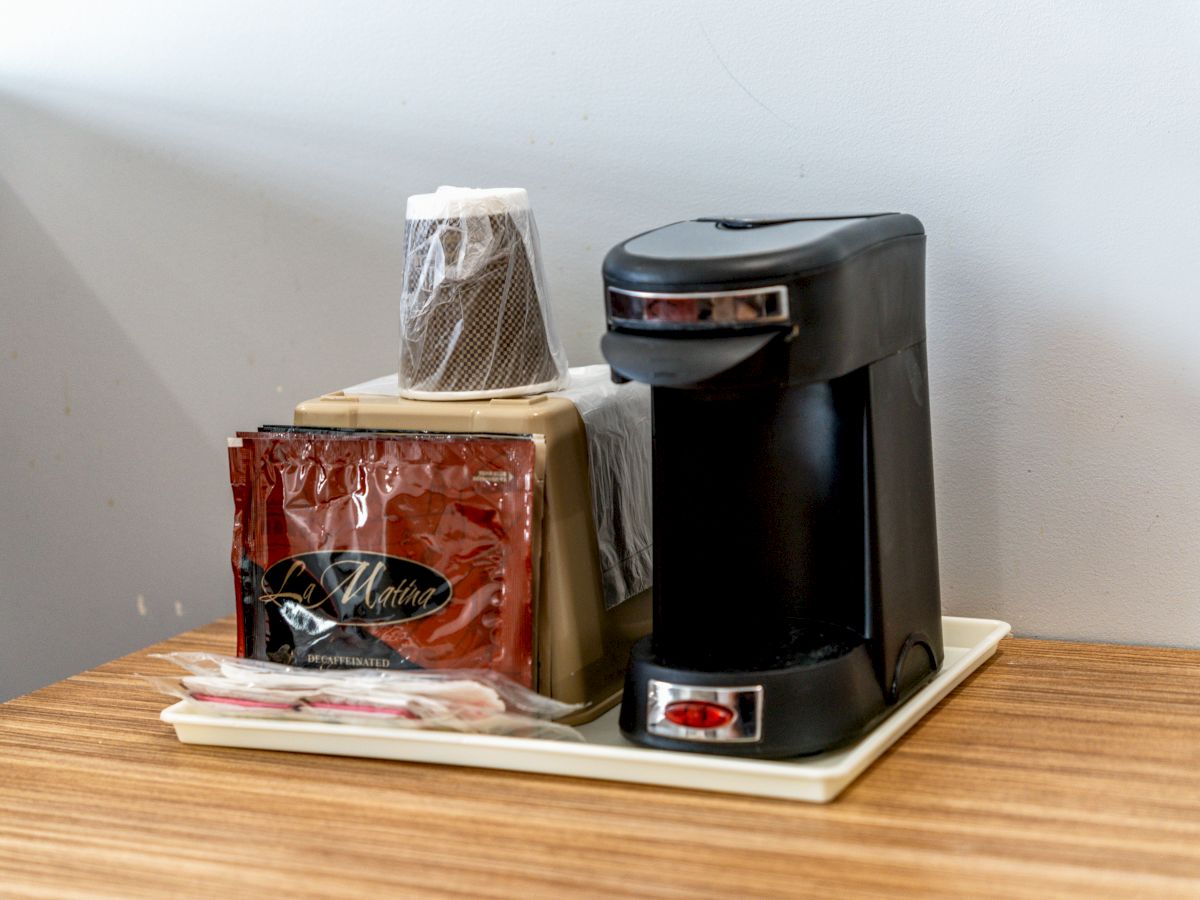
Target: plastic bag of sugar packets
[(478, 702)]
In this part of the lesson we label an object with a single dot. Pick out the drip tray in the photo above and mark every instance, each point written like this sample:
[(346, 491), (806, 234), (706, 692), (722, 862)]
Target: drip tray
[(607, 755)]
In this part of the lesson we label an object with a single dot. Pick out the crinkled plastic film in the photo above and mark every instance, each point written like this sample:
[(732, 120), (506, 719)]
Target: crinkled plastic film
[(384, 550), (475, 321), (616, 419), (475, 701)]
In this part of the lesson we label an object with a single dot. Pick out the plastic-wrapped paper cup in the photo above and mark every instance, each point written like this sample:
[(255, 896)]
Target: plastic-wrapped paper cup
[(474, 319)]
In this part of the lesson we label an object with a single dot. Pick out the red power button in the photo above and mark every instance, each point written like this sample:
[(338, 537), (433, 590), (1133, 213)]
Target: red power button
[(698, 714)]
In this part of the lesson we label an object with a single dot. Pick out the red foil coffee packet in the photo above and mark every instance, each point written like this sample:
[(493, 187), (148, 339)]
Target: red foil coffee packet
[(385, 550)]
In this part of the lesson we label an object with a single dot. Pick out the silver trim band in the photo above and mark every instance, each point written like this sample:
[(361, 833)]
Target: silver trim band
[(744, 701), (746, 308)]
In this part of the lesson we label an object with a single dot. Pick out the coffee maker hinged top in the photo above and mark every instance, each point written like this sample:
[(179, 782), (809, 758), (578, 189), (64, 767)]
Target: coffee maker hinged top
[(795, 551)]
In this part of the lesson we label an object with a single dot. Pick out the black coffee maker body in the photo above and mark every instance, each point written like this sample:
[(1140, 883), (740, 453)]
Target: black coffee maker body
[(796, 597)]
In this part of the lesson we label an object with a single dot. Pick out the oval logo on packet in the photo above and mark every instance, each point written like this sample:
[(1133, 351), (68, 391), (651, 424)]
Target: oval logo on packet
[(356, 587)]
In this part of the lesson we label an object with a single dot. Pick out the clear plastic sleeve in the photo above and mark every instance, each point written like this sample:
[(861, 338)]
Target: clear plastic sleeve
[(616, 419), (475, 319), (476, 701)]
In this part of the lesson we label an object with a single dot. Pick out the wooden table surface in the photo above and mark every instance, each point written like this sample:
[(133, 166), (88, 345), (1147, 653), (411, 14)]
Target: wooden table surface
[(1058, 768)]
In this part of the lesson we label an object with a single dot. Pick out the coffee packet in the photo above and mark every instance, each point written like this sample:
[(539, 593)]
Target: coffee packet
[(389, 550)]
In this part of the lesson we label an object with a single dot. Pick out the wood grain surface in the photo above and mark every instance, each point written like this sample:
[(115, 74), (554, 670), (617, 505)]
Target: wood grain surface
[(1056, 769)]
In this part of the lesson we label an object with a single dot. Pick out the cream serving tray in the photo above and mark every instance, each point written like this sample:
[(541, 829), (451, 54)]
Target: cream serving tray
[(607, 755)]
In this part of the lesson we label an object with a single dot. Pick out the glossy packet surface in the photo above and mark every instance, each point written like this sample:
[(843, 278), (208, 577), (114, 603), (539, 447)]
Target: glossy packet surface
[(385, 550)]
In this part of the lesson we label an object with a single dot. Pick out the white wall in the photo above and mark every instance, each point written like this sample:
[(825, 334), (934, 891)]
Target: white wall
[(201, 208)]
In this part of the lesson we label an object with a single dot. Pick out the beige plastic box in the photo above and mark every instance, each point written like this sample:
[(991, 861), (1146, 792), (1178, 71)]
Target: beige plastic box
[(580, 648)]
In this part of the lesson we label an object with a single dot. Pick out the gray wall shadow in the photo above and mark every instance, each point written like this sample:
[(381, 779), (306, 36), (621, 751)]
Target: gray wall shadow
[(111, 492), (208, 305), (168, 303), (1068, 502)]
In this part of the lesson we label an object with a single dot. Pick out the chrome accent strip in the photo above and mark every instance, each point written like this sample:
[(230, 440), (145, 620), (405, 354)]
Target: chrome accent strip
[(779, 291), (746, 701)]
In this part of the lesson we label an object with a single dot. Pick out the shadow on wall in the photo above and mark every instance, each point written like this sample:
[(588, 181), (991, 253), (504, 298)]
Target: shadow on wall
[(106, 478), (1116, 508), (156, 299), (964, 367), (147, 310), (168, 302), (1066, 470)]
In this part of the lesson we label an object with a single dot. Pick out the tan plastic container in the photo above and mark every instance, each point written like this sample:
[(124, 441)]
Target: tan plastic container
[(580, 649)]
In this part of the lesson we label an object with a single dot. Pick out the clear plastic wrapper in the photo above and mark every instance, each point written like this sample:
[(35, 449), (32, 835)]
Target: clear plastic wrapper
[(480, 701), (616, 419), (385, 550), (475, 320)]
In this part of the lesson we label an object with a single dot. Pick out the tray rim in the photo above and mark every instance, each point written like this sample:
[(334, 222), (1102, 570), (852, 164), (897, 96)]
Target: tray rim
[(818, 778)]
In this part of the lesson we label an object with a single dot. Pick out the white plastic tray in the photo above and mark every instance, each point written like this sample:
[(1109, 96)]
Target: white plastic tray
[(607, 755)]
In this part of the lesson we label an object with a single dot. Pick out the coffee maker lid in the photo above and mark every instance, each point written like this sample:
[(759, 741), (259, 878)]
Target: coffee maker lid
[(720, 251)]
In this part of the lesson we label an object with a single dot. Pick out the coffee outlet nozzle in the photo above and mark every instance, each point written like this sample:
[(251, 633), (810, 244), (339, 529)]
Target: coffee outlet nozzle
[(796, 596)]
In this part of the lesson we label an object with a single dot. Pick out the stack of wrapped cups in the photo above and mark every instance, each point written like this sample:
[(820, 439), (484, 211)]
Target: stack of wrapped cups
[(474, 318)]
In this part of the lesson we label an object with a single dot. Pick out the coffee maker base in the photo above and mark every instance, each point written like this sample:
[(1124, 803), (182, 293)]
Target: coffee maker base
[(768, 714)]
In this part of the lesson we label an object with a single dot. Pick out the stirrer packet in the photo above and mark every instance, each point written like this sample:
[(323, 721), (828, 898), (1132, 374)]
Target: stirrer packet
[(470, 701)]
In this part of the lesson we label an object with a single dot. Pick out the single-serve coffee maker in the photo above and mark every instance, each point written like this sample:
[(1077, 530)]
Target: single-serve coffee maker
[(795, 556)]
